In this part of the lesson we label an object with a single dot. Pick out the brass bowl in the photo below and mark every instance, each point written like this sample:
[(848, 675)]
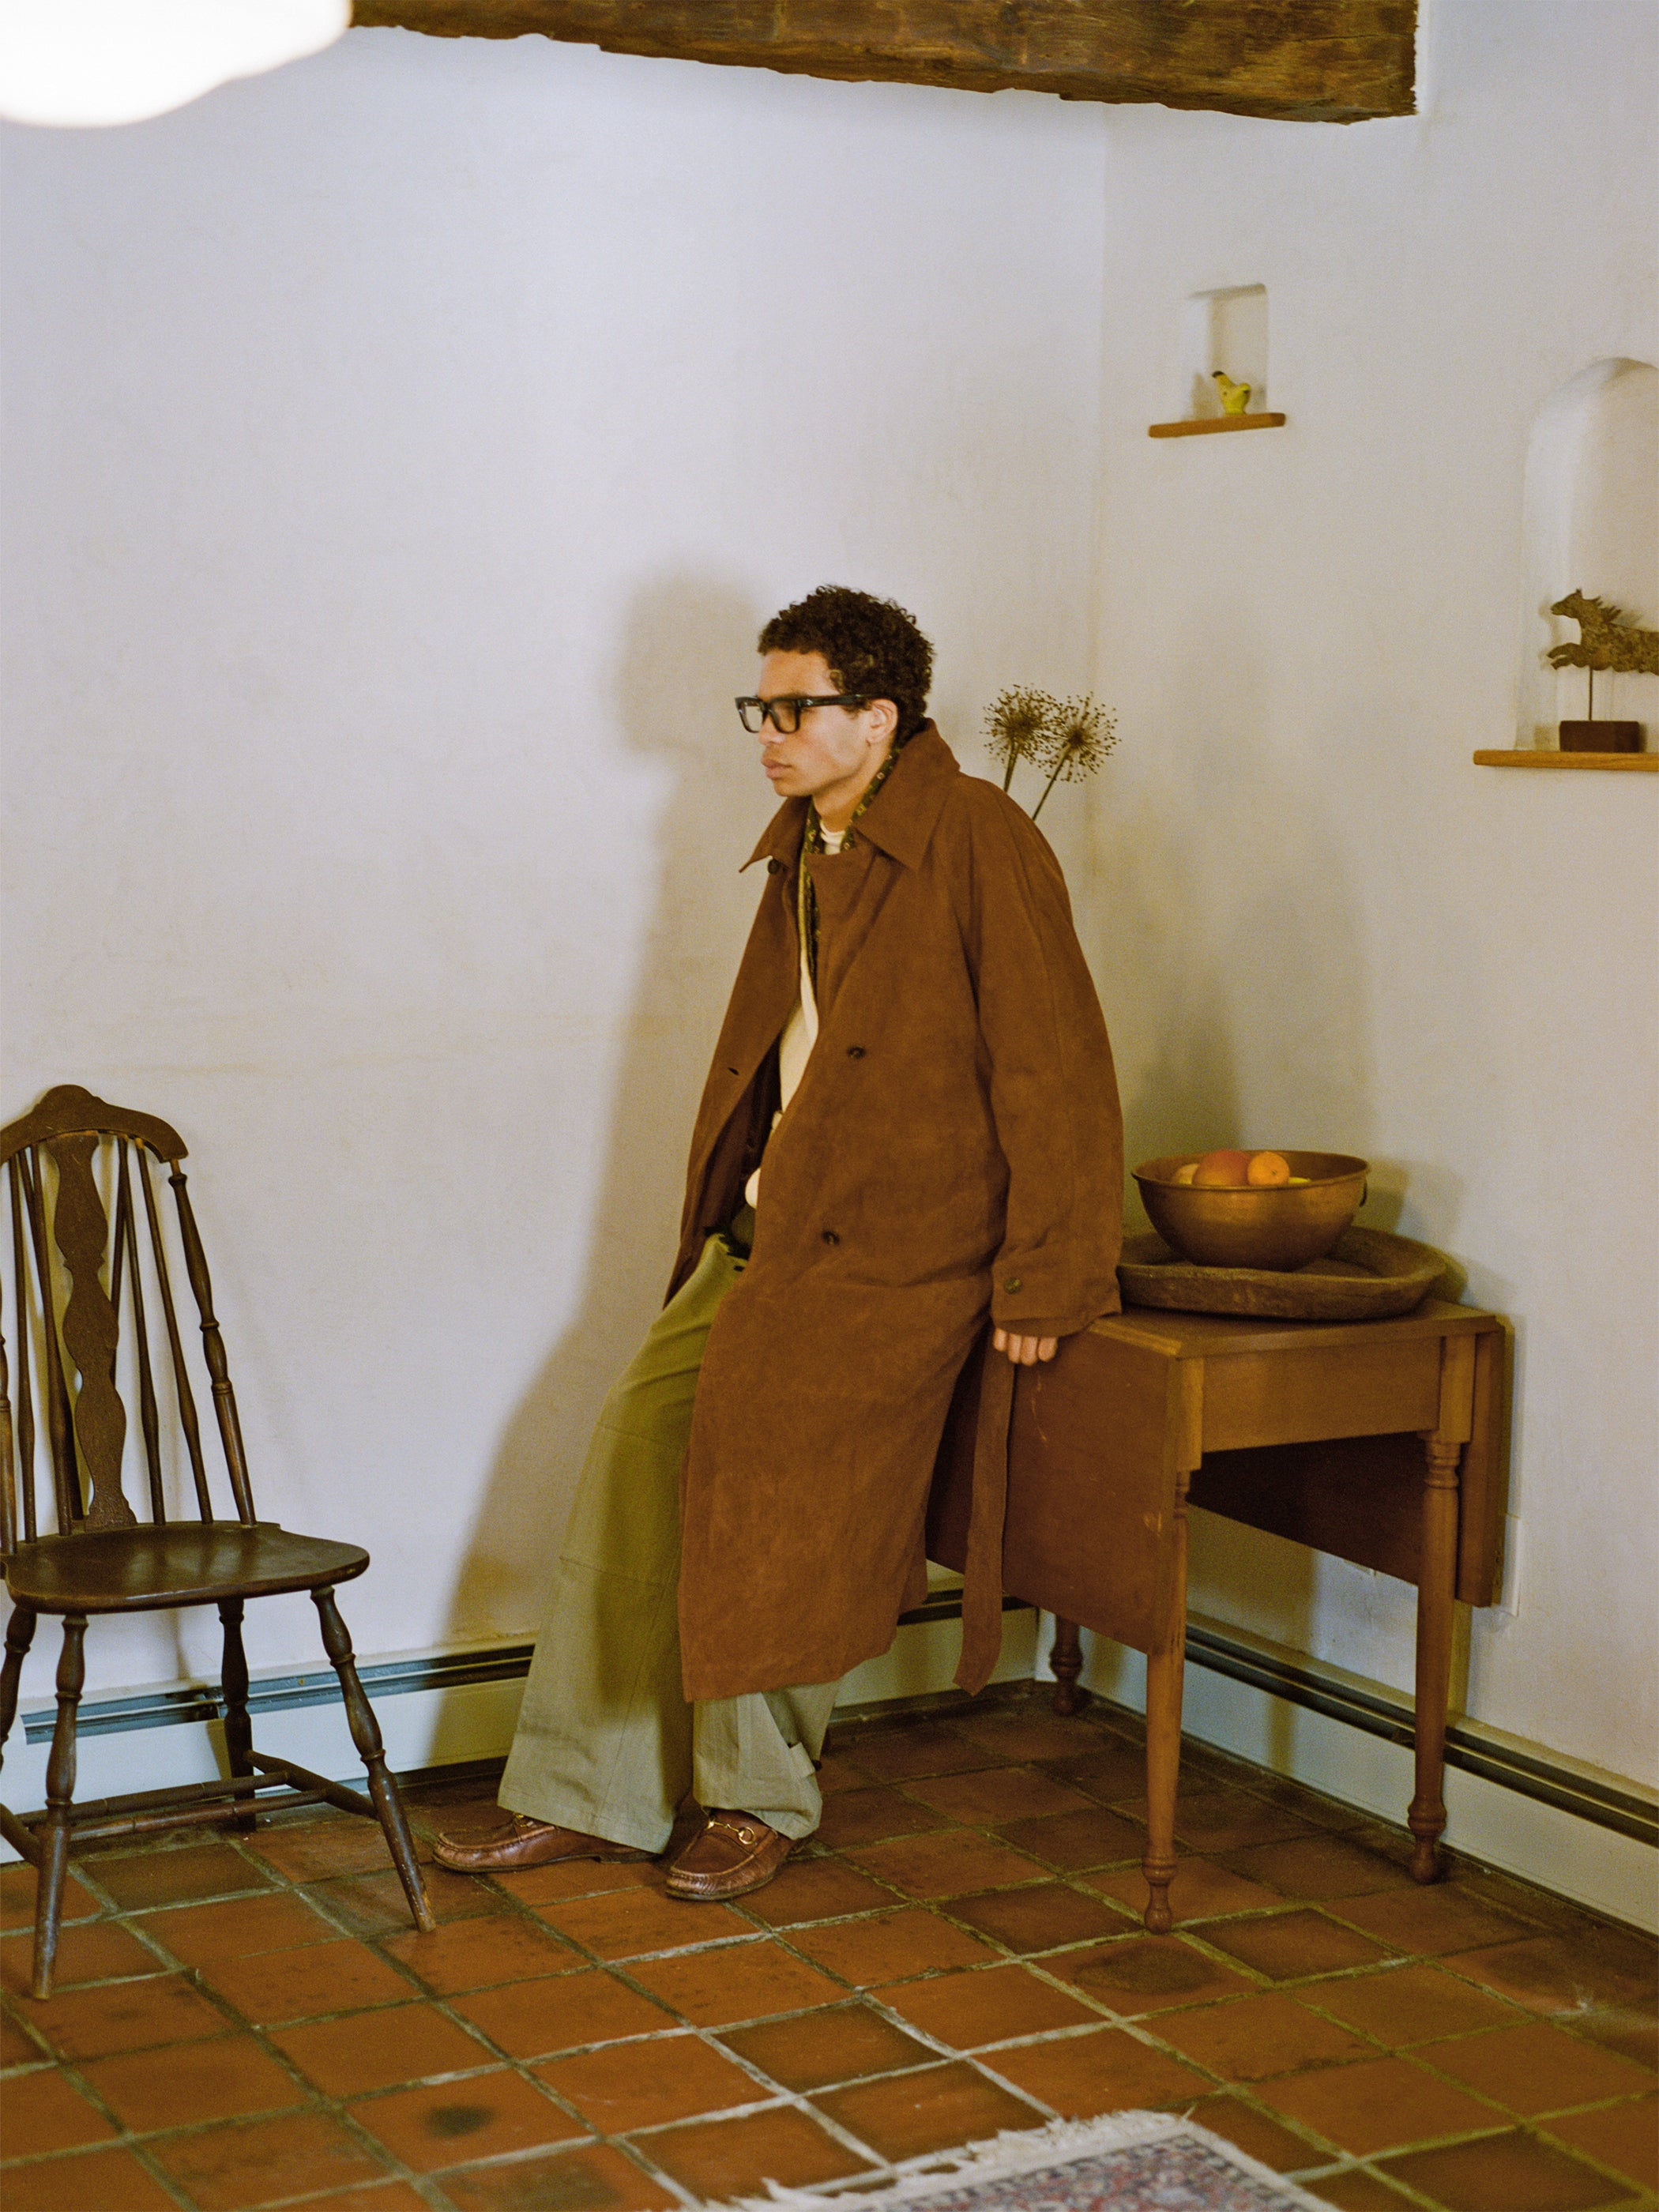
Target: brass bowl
[(1250, 1228)]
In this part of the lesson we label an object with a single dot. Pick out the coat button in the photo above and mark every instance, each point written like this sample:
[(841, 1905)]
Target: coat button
[(1013, 1283), (775, 867), (831, 1237), (855, 1052)]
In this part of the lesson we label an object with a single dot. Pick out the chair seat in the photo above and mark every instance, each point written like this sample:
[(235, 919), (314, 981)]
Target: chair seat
[(181, 1563)]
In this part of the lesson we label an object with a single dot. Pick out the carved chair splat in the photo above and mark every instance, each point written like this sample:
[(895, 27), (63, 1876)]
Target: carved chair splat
[(76, 1268)]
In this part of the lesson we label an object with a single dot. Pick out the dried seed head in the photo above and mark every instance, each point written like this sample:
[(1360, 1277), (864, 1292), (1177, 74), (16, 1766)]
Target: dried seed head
[(1081, 733), (1017, 725)]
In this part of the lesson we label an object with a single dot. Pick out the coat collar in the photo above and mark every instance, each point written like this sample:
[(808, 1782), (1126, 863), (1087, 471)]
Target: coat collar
[(900, 817)]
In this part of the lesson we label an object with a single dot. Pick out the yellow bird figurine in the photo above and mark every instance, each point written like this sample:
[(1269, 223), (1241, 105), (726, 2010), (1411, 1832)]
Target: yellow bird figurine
[(1234, 397)]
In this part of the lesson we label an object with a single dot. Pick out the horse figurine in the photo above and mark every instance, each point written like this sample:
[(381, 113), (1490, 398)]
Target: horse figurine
[(1604, 641)]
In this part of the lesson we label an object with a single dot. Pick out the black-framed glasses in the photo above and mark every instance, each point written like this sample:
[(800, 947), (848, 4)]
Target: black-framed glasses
[(784, 713)]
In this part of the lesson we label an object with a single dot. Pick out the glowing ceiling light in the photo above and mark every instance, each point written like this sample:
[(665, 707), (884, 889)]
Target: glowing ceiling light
[(118, 61)]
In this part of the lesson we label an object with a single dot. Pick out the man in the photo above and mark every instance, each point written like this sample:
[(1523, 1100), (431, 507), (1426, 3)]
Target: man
[(910, 1123)]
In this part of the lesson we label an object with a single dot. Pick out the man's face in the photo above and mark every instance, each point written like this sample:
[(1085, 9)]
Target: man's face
[(835, 751)]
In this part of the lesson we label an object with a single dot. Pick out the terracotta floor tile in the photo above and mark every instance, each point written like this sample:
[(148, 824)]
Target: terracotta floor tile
[(533, 2020), (1358, 2189), (724, 2159), (814, 1889), (1535, 2067), (1306, 1804), (1082, 2075), (551, 1884), (1141, 1974), (315, 1849), (17, 2048), (454, 2123), (91, 1951), (1430, 1922), (1226, 1819), (812, 2049), (1631, 2033), (1404, 2005), (996, 1794), (1200, 1891), (136, 1879), (1549, 1973), (1516, 2171), (43, 2111), (628, 1923), (902, 2114), (1092, 1837), (373, 2196), (1624, 2136), (836, 1773), (901, 1753), (596, 2178), (967, 2011), (1286, 1945), (1028, 1734), (374, 1904), (196, 2082), (890, 1949), (1319, 1867), (124, 2016), (226, 2169), (344, 1976), (734, 1981), (378, 2049), (1037, 1918), (197, 1934), (1257, 2133), (1113, 1773), (947, 1865), (866, 1816), (17, 1896), (630, 2085), (1376, 2104), (1252, 2037), (476, 1953), (111, 2180)]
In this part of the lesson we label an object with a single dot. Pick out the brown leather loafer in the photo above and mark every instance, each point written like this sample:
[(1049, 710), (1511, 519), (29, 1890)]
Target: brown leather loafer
[(526, 1843), (730, 1855)]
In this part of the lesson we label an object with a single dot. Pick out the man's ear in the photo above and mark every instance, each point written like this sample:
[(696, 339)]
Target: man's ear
[(887, 719)]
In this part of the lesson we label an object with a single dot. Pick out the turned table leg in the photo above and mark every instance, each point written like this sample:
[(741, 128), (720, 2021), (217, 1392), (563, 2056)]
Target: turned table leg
[(1437, 1586), (1067, 1661), (1165, 1671)]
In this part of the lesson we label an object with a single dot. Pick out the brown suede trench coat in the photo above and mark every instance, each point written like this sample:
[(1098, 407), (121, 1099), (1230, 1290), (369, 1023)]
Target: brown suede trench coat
[(951, 1160)]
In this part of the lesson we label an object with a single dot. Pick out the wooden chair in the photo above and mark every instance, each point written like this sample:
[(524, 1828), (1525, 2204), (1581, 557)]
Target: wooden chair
[(67, 1310)]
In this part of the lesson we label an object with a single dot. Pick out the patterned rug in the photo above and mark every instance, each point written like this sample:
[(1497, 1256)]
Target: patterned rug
[(1127, 2162)]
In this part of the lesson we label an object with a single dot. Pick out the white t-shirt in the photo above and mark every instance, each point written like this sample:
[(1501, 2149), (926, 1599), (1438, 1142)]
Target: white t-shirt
[(800, 1033)]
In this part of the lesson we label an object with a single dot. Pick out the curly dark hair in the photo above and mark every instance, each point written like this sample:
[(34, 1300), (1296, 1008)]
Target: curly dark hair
[(872, 646)]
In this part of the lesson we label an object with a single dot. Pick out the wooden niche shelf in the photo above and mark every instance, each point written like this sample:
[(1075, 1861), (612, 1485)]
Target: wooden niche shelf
[(1516, 757), (1200, 426)]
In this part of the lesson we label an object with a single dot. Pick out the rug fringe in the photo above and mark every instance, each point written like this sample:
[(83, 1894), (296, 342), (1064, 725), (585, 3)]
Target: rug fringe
[(1014, 2152)]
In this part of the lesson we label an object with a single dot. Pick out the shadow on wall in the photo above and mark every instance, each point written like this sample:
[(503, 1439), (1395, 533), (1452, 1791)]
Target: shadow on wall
[(1235, 971), (689, 646)]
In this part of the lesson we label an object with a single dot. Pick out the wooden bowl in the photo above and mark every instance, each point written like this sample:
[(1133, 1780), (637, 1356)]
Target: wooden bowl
[(1250, 1228)]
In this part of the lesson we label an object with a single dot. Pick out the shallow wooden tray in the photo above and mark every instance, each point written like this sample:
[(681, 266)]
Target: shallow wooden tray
[(1367, 1275)]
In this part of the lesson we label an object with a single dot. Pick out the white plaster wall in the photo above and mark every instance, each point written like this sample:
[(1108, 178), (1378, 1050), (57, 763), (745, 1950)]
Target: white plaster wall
[(401, 453), (1320, 924)]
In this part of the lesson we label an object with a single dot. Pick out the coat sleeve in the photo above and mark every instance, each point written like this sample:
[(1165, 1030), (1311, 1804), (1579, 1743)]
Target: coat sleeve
[(1053, 1089)]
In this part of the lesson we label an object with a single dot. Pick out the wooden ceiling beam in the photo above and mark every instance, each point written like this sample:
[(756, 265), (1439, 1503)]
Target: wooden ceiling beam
[(1310, 61)]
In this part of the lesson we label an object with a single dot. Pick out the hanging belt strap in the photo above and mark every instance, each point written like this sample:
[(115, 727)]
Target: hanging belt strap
[(982, 1588)]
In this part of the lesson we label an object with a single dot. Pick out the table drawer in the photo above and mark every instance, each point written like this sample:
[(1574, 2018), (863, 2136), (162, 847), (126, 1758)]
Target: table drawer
[(1358, 1391)]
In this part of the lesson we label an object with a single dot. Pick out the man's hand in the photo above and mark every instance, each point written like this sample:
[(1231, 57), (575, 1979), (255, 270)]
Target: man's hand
[(1025, 1351)]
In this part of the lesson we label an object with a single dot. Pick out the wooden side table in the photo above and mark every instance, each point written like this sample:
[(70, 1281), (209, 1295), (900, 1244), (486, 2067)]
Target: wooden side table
[(1380, 1442)]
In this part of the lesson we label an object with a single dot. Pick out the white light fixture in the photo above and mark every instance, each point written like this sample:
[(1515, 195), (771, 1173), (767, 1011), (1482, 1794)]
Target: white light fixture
[(74, 62)]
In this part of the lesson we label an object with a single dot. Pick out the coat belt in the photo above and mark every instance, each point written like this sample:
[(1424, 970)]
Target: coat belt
[(982, 1581)]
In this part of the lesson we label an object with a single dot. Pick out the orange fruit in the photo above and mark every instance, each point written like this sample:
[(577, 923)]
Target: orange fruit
[(1269, 1170), (1226, 1170)]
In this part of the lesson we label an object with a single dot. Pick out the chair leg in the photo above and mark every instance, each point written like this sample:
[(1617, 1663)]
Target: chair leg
[(366, 1735), (54, 1830), (20, 1634), (239, 1730)]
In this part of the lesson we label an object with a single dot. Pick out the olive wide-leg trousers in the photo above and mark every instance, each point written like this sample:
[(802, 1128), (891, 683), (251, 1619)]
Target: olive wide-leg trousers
[(606, 1742)]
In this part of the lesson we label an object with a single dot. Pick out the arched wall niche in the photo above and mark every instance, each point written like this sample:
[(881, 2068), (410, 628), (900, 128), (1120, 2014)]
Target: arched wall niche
[(1592, 524)]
